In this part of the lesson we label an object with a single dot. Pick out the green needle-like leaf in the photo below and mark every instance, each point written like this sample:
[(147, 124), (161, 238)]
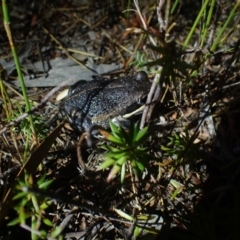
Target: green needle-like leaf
[(116, 155), (45, 185), (107, 163), (110, 137), (140, 165), (41, 180), (141, 136), (123, 214), (19, 195), (113, 172), (48, 222), (123, 171), (35, 203), (114, 128)]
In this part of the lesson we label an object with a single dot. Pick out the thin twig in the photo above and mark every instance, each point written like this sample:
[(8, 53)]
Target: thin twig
[(148, 110), (79, 153), (162, 23)]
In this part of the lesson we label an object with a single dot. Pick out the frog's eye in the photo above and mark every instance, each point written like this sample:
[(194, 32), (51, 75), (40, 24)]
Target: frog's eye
[(76, 87), (141, 76), (142, 100)]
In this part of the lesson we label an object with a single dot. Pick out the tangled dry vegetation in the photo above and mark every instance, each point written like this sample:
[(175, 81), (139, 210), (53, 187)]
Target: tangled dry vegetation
[(189, 188)]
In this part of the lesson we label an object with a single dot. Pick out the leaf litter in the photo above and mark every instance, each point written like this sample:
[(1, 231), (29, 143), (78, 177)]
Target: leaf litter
[(195, 125)]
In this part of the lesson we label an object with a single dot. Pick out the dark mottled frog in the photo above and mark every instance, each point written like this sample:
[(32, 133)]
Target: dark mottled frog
[(96, 102)]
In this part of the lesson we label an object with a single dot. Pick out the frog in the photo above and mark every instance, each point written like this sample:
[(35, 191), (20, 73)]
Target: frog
[(97, 101)]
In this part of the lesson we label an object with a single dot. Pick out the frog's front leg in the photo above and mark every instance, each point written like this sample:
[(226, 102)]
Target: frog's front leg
[(75, 117)]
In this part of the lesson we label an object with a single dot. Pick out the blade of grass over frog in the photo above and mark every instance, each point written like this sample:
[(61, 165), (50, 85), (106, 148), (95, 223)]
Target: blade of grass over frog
[(30, 166), (17, 64)]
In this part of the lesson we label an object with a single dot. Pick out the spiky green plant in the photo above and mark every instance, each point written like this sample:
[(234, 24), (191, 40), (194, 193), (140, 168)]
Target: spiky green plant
[(125, 147)]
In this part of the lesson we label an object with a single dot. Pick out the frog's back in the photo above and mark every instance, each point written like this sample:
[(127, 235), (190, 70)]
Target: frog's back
[(97, 101)]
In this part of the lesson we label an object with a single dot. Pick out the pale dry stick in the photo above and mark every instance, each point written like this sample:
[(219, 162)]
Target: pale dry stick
[(143, 22), (147, 112), (155, 90), (162, 23), (164, 94), (152, 97), (167, 13), (43, 102)]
